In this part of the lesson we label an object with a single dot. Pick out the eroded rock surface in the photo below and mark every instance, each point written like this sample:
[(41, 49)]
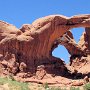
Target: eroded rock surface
[(27, 52)]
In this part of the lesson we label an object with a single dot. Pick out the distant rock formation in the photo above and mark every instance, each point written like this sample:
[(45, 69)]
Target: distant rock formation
[(27, 52)]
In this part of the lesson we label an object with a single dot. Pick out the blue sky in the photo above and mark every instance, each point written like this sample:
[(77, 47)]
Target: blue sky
[(19, 12)]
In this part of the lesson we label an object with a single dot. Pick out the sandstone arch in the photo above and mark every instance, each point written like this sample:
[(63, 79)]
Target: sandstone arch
[(33, 44)]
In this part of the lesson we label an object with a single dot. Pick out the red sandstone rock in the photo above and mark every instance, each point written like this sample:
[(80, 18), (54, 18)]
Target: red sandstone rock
[(25, 49), (77, 83)]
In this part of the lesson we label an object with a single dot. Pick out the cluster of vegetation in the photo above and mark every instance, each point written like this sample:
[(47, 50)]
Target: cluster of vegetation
[(85, 87), (15, 85)]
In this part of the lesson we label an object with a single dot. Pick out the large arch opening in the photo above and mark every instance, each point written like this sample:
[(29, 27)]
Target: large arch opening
[(63, 52)]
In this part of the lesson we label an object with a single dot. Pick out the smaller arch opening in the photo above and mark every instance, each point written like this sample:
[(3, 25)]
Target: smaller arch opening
[(62, 53), (77, 32)]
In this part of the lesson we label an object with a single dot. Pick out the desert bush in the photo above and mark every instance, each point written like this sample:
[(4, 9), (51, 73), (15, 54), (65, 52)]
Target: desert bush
[(45, 85), (14, 85), (87, 86), (74, 88)]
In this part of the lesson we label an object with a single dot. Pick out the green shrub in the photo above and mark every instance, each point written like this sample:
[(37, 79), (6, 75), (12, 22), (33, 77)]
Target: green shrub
[(14, 85), (74, 88), (87, 86), (45, 85)]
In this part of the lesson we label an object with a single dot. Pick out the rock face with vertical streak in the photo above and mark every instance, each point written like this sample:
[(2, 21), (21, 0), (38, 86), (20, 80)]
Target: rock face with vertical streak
[(23, 50)]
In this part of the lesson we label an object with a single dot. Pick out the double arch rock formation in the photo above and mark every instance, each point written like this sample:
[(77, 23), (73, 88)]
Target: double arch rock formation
[(29, 49)]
